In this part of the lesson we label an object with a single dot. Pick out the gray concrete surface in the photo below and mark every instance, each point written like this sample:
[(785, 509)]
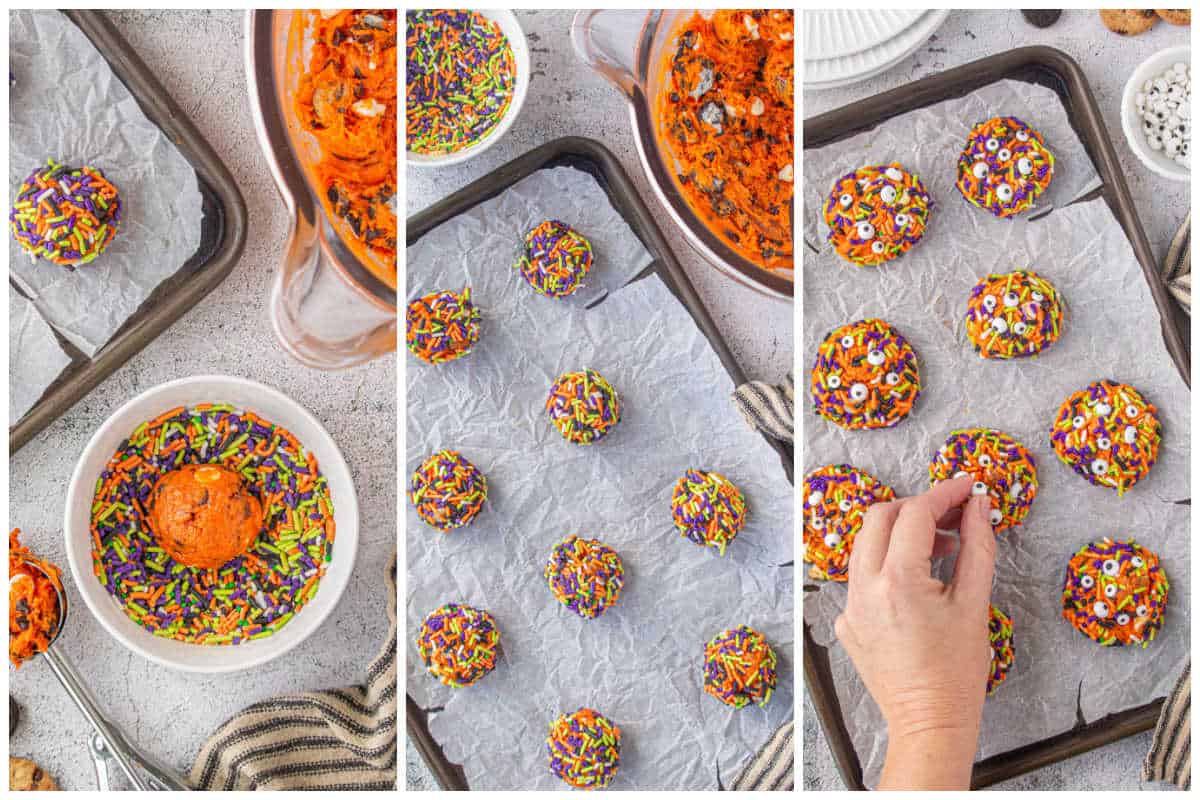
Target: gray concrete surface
[(1107, 60), (197, 55), (567, 99)]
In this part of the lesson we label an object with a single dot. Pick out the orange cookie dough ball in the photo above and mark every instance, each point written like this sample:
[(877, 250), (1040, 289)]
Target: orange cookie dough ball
[(203, 515)]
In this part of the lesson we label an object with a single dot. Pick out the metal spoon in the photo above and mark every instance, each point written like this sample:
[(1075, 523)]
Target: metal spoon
[(117, 745)]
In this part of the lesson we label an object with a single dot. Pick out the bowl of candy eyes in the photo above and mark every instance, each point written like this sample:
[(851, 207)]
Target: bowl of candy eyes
[(461, 98), (199, 608), (1156, 112)]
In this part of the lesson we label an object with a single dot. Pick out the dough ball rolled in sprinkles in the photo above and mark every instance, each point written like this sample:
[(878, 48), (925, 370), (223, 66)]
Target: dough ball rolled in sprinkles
[(556, 259), (708, 509), (836, 499), (1000, 637), (1013, 315), (1115, 593), (865, 376), (585, 575), (447, 490), (1108, 434), (442, 326), (584, 749), (1002, 468), (1004, 166), (583, 406), (459, 644), (876, 214), (66, 215), (739, 667)]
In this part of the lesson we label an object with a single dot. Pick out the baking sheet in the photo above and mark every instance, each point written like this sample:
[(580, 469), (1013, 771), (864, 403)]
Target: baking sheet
[(66, 103), (640, 662), (1112, 331), (34, 356)]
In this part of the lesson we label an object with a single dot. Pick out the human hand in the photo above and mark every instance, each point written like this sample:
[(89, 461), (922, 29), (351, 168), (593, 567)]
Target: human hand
[(921, 646)]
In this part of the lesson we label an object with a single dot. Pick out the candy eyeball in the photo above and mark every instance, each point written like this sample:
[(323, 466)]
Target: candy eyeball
[(875, 357), (1099, 466), (1078, 421), (979, 487), (1122, 618), (985, 460), (833, 382), (1037, 297), (891, 379), (877, 247), (1022, 136), (1104, 443), (1019, 328), (832, 540), (1132, 412), (992, 144), (1137, 562), (865, 230), (846, 201), (1024, 166), (859, 392), (1130, 434), (1110, 591), (1004, 154), (845, 506), (980, 170), (999, 325), (815, 499), (1011, 299), (1103, 409), (888, 194), (901, 220), (818, 523), (1100, 609), (1004, 192), (1111, 567), (894, 174), (989, 303), (1141, 611), (962, 473), (995, 517), (1087, 581), (847, 341)]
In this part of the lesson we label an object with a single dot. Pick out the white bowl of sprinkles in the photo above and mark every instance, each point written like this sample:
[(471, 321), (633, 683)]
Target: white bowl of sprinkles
[(242, 395), (1147, 133)]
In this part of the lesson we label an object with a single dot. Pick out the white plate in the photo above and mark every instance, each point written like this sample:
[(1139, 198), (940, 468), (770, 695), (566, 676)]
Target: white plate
[(835, 72), (832, 33), (267, 403)]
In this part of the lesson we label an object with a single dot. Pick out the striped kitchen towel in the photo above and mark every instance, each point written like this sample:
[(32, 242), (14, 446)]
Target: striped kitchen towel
[(773, 769), (1177, 266), (1170, 756), (336, 740), (769, 408)]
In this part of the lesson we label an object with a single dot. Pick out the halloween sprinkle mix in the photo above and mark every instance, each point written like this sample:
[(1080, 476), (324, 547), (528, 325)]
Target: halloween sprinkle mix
[(1108, 434), (585, 575), (583, 406), (459, 644), (836, 499), (1000, 639), (441, 326), (1004, 167), (739, 667), (1001, 466), (584, 749), (708, 509), (865, 376), (461, 76), (251, 596), (876, 214), (556, 259), (447, 490), (66, 215), (33, 606), (1014, 314), (1115, 593)]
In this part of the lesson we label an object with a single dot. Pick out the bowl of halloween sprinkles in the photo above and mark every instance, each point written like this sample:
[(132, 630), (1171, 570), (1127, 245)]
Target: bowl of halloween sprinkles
[(1115, 593), (467, 73), (211, 524)]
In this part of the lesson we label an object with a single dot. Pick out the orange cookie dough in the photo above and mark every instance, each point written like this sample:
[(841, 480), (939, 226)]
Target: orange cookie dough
[(203, 515)]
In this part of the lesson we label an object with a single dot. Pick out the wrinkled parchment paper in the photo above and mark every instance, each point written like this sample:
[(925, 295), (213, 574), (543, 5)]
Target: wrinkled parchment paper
[(34, 356), (639, 663), (66, 104), (1112, 331)]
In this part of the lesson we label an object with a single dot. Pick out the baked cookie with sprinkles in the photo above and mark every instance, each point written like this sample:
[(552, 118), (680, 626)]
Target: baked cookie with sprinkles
[(459, 644), (585, 575), (447, 490), (1000, 639), (1002, 468), (708, 509), (1115, 593), (441, 326), (584, 749), (1013, 315), (66, 215), (556, 259), (836, 499), (1004, 166), (876, 214), (865, 376), (1108, 434), (583, 406), (739, 667)]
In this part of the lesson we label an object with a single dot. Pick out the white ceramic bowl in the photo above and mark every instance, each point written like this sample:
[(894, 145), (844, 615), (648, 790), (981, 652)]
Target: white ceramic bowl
[(1131, 123), (520, 48), (269, 404)]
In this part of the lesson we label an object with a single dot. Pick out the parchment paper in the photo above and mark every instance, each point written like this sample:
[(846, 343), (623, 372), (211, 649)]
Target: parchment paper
[(67, 104), (640, 663), (1112, 331), (35, 358)]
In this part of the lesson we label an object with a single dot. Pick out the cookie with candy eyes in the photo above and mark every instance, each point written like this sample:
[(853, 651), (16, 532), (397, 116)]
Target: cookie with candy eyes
[(876, 214), (1002, 468), (1004, 167), (1000, 645), (1115, 593), (1108, 434), (865, 376), (1013, 315), (836, 499)]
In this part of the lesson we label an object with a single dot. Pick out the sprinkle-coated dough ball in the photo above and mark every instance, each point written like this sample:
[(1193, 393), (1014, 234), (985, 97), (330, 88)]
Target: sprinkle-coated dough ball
[(865, 376), (585, 575), (1000, 636), (876, 214), (583, 406), (447, 490), (1004, 167), (442, 326), (739, 667), (459, 644), (1002, 468), (1013, 315), (708, 509), (556, 259), (836, 499), (1115, 593), (1108, 434), (584, 749)]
